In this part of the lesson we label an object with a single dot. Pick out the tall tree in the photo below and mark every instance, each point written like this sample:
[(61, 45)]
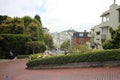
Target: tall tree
[(33, 31), (36, 46), (65, 44), (37, 17), (27, 20), (48, 39), (12, 26), (3, 18), (114, 43), (33, 28)]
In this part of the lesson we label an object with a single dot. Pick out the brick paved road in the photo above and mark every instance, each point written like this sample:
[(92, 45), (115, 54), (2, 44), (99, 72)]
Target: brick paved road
[(15, 70)]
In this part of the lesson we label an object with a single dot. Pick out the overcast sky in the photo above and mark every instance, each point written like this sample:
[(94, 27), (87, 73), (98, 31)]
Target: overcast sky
[(59, 15)]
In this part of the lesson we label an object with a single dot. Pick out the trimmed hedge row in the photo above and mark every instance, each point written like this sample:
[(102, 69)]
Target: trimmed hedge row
[(13, 42), (22, 56), (93, 56)]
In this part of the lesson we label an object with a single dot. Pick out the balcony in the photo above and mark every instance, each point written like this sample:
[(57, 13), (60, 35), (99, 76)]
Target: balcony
[(103, 37)]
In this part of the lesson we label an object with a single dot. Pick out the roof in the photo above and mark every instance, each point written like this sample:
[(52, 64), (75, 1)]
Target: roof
[(70, 30), (105, 13), (118, 8), (104, 26)]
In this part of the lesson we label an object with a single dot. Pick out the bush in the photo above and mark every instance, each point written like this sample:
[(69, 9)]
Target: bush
[(35, 46), (114, 43), (40, 55), (82, 48), (22, 56), (107, 44), (93, 56)]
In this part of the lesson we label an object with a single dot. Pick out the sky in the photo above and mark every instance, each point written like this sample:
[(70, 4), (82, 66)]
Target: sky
[(59, 15)]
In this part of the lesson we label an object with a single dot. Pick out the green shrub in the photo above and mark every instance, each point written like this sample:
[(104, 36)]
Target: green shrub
[(22, 56), (107, 44), (35, 46), (93, 56), (39, 55), (35, 56)]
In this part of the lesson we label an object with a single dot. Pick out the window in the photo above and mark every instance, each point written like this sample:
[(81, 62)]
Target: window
[(81, 34), (97, 33), (103, 40), (104, 30), (105, 18), (97, 39), (80, 40)]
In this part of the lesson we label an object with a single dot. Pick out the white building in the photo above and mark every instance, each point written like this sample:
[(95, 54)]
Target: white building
[(110, 18), (56, 39), (59, 38)]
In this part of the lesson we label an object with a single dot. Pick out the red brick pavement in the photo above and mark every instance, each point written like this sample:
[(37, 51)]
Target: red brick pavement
[(15, 70)]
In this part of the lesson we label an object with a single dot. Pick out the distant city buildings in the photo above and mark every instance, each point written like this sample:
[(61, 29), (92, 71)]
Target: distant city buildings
[(100, 33), (59, 38), (75, 38)]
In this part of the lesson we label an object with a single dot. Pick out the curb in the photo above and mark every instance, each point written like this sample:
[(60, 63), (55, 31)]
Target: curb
[(8, 60), (79, 65), (4, 60)]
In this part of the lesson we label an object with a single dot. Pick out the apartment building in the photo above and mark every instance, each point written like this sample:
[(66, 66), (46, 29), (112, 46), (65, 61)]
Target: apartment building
[(101, 32), (80, 38)]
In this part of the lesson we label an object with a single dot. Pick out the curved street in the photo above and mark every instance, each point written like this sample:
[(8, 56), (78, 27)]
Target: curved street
[(16, 70)]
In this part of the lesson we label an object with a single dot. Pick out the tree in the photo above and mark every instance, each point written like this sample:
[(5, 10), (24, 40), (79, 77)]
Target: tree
[(12, 26), (107, 44), (37, 17), (3, 18), (33, 31), (18, 26), (36, 46), (48, 39), (83, 48), (65, 44), (114, 43), (40, 30), (33, 28), (27, 20)]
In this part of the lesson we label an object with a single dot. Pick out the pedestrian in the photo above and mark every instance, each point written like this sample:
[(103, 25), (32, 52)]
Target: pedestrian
[(11, 55), (65, 51)]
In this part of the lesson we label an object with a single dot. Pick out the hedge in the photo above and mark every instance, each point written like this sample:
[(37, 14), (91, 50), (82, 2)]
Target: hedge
[(22, 56), (93, 56), (13, 42)]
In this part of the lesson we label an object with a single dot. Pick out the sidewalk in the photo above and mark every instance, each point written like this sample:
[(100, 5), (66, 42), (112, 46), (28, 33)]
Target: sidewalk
[(6, 60)]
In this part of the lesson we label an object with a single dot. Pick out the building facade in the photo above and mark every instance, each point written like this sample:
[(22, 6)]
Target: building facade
[(80, 38), (59, 38), (109, 19)]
